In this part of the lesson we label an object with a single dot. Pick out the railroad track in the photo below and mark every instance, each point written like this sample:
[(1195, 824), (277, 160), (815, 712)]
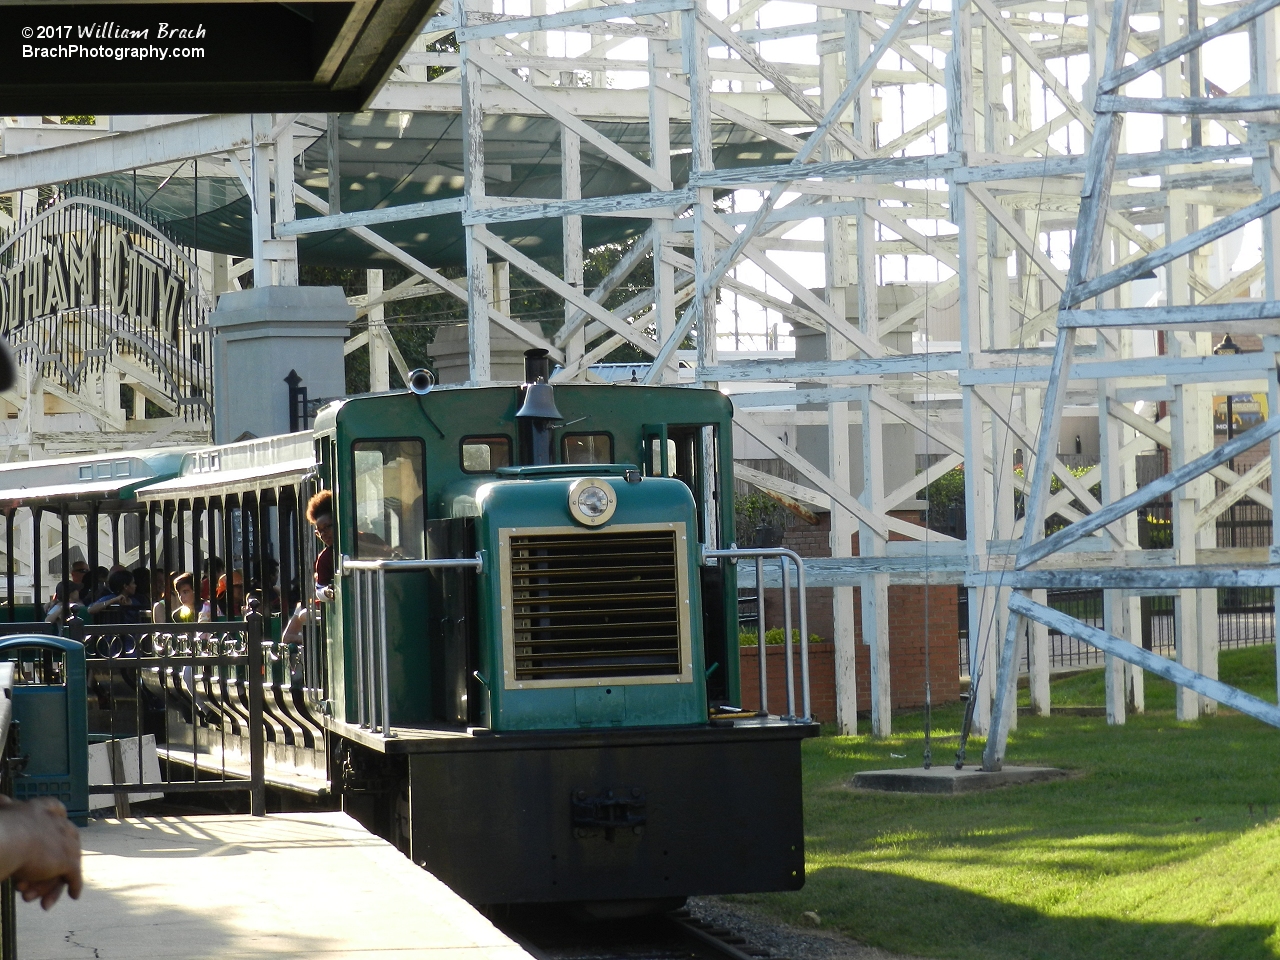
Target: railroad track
[(553, 935)]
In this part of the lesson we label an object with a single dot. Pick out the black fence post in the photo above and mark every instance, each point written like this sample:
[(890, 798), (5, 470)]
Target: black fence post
[(298, 419), (76, 629), (257, 732)]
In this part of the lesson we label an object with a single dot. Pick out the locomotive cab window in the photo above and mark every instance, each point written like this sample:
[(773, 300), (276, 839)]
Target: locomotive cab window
[(485, 454), (688, 453), (656, 459), (389, 500), (587, 448)]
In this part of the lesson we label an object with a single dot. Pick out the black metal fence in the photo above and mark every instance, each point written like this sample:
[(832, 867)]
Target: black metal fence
[(140, 674), (188, 685), (1246, 618), (1246, 615)]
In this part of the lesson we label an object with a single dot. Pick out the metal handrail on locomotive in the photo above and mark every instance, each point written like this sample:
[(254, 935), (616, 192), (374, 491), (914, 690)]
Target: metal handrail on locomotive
[(525, 672)]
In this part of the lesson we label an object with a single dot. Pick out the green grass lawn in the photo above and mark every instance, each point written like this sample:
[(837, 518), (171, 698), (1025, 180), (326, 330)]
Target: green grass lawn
[(1164, 844)]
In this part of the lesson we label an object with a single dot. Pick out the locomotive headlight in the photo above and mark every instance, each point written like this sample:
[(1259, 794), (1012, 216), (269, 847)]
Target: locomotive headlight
[(591, 502)]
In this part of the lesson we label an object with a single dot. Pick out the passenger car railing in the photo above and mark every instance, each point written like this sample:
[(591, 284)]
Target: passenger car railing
[(785, 558), (369, 585)]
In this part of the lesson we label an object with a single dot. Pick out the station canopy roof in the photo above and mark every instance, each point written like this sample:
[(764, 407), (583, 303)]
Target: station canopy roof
[(389, 158), (232, 56)]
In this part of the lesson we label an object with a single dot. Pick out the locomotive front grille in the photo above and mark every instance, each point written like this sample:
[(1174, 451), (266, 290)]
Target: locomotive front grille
[(596, 606)]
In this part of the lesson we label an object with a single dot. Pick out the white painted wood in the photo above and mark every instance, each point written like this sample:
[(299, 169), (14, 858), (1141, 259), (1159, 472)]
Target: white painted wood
[(260, 198), (1158, 488), (479, 294), (379, 356), (589, 134), (556, 285), (503, 25), (838, 492), (282, 134), (1225, 24), (437, 279), (367, 218), (118, 152)]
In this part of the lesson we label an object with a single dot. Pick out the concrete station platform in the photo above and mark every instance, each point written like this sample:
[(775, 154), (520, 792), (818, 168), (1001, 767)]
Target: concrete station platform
[(313, 885)]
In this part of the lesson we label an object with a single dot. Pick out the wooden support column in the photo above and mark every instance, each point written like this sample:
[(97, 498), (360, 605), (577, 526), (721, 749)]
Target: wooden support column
[(1182, 408), (1263, 43), (874, 588), (286, 249), (1114, 605), (571, 235), (999, 322), (1207, 539), (698, 68), (983, 640), (664, 272), (1038, 665), (836, 252), (333, 143), (260, 181), (478, 279), (379, 355)]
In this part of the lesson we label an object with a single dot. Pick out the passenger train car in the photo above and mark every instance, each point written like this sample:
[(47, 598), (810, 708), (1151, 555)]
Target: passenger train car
[(527, 674)]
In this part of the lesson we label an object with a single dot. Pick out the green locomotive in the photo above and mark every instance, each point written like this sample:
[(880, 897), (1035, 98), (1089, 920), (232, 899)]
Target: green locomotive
[(525, 673)]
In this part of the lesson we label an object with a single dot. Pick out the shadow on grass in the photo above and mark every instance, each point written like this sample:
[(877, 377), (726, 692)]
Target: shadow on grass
[(935, 920)]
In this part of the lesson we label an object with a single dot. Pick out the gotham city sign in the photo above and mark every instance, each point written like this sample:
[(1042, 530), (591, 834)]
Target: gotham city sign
[(87, 279), (68, 274)]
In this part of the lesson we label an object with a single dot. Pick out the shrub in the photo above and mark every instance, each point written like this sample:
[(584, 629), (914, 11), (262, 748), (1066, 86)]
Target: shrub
[(773, 637)]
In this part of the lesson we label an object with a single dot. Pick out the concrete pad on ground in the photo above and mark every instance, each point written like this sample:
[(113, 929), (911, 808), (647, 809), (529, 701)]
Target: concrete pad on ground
[(947, 779), (313, 885)]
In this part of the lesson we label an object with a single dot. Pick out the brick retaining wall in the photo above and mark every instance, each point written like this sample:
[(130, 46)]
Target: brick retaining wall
[(907, 615)]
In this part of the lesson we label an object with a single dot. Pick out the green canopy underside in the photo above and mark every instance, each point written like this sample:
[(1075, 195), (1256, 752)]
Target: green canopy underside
[(382, 165)]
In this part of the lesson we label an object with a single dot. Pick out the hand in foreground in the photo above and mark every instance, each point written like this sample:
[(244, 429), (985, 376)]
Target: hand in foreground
[(39, 849)]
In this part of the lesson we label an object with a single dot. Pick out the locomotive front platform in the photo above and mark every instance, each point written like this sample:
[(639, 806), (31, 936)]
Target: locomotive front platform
[(593, 815)]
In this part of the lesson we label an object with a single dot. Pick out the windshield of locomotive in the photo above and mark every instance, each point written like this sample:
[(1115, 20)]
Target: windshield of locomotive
[(389, 519)]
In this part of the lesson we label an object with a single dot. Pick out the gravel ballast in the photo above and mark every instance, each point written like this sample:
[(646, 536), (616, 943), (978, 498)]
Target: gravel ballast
[(781, 939)]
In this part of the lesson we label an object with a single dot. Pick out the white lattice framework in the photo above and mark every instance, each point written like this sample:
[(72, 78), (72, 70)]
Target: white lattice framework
[(946, 146)]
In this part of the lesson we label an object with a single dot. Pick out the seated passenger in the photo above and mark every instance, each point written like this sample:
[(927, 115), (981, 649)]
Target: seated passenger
[(320, 515), (94, 586), (295, 631), (66, 603), (184, 592), (225, 605), (120, 604), (142, 584)]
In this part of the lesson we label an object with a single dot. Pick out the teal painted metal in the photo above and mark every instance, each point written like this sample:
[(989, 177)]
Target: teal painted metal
[(440, 421), (682, 482), (619, 702), (53, 724)]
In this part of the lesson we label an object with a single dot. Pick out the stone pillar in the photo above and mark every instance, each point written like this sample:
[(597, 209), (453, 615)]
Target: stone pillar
[(259, 335)]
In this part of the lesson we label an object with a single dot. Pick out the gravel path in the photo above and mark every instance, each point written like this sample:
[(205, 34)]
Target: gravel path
[(784, 940)]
